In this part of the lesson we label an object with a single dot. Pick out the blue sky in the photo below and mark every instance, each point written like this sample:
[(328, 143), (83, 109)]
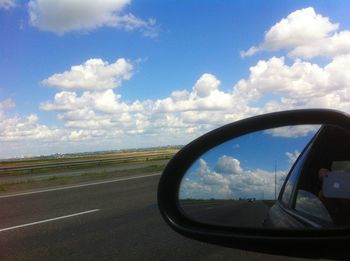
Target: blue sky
[(259, 150), (171, 46)]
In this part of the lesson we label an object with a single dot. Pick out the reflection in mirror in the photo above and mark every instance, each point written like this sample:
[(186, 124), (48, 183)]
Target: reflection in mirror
[(236, 183), (312, 205)]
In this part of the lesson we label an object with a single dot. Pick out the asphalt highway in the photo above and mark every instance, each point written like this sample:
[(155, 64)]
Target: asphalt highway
[(109, 220), (235, 213)]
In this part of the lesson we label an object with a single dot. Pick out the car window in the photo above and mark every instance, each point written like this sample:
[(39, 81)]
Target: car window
[(292, 179), (314, 193), (308, 203)]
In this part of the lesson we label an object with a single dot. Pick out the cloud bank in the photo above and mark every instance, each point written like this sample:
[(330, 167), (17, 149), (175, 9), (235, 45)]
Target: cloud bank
[(304, 34), (94, 74), (62, 16), (7, 4), (91, 111), (227, 180)]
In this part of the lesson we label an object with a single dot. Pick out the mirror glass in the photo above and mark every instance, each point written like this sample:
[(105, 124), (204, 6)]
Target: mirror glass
[(242, 182)]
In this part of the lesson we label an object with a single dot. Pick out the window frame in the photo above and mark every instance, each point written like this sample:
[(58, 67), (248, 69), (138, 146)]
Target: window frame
[(295, 173), (289, 207)]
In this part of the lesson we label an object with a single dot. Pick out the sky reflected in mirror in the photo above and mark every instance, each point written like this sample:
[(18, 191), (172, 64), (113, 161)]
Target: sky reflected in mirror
[(251, 167)]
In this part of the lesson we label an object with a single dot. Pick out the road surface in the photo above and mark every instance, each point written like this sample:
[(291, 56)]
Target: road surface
[(110, 220), (230, 213)]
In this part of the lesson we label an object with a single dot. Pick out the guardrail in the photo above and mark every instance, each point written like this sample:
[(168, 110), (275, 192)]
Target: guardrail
[(81, 162)]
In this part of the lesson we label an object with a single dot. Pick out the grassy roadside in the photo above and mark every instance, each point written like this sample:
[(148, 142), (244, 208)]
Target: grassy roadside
[(49, 160), (154, 166), (57, 169)]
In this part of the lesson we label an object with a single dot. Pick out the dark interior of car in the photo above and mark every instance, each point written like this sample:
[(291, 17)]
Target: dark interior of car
[(331, 144)]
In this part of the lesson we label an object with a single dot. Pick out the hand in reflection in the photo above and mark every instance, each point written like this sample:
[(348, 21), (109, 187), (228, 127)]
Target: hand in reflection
[(339, 209)]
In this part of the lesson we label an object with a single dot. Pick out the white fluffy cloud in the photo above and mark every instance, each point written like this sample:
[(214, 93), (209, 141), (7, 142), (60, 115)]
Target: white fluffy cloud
[(187, 114), (7, 4), (300, 85), (102, 101), (94, 74), (305, 34), (228, 165), (90, 108), (293, 131), (61, 16), (292, 156), (25, 135), (7, 104), (272, 85), (205, 96), (181, 116), (26, 128), (96, 110), (206, 85), (17, 128)]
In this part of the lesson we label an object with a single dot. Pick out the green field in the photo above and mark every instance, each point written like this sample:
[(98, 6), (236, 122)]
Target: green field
[(56, 169), (53, 181), (75, 158), (144, 162)]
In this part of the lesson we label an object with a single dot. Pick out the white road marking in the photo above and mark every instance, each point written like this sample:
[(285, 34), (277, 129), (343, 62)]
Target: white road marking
[(79, 186), (49, 220)]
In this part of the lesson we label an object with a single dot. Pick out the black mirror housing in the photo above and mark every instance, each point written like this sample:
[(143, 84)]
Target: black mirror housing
[(302, 243)]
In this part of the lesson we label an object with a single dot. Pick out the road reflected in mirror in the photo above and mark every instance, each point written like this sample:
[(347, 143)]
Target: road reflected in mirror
[(238, 183)]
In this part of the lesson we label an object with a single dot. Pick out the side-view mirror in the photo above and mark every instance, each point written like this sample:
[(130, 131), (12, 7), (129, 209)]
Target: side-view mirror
[(277, 183)]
